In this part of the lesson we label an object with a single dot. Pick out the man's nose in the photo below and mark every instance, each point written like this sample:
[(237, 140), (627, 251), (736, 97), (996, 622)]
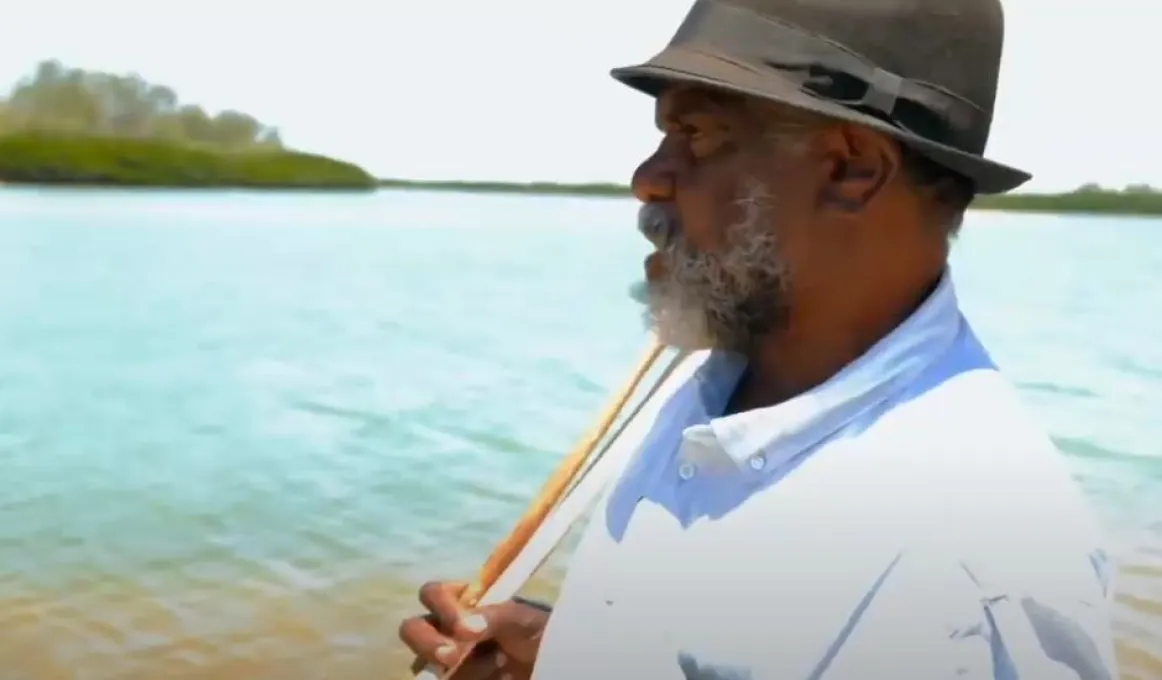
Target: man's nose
[(653, 181)]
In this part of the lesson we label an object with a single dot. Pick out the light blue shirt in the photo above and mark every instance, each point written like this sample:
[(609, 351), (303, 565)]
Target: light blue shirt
[(906, 519)]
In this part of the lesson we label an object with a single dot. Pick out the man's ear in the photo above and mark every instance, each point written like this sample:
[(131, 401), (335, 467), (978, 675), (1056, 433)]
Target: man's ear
[(859, 164)]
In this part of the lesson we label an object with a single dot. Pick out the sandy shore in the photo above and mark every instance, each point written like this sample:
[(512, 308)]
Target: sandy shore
[(342, 629)]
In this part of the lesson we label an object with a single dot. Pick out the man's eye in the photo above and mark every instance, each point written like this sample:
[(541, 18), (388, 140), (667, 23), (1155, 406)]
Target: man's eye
[(702, 142)]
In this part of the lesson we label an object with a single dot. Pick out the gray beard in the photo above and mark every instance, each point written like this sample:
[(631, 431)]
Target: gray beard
[(723, 300)]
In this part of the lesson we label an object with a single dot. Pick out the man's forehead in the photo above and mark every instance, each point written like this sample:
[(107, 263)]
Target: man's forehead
[(680, 101)]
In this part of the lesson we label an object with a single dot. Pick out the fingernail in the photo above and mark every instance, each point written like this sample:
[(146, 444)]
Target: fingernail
[(475, 623), (445, 653), (506, 676), (501, 659)]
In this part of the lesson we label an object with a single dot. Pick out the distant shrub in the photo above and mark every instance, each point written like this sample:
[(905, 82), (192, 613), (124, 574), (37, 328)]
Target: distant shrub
[(1088, 199), (51, 158)]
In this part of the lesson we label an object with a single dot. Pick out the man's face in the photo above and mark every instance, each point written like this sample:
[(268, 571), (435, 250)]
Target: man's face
[(727, 221)]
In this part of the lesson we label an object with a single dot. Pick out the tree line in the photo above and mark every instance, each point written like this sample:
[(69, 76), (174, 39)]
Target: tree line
[(60, 99), (70, 126)]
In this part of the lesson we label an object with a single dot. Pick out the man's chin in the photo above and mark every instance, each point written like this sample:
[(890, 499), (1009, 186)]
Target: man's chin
[(681, 335), (680, 330)]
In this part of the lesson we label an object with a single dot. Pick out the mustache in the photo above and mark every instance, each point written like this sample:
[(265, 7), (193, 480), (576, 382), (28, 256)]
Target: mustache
[(658, 222)]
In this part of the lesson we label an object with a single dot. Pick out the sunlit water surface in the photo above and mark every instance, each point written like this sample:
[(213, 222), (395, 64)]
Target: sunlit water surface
[(237, 430)]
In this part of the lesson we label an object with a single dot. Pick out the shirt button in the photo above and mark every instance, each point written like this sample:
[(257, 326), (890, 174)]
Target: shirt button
[(686, 471), (758, 462)]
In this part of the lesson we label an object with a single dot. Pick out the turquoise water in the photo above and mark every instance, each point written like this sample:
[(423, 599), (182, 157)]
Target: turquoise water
[(237, 429)]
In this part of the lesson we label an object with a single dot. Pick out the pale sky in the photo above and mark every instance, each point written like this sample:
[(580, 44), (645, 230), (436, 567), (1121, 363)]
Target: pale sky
[(519, 89)]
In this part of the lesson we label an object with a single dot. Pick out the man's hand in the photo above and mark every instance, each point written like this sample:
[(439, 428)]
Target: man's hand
[(510, 633)]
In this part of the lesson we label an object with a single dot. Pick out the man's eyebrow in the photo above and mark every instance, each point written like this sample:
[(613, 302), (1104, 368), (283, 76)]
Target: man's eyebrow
[(682, 108)]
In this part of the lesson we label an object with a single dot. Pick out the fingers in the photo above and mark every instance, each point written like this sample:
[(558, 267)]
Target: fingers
[(447, 632), (515, 619), (485, 662), (421, 635), (439, 637), (442, 599), (516, 627)]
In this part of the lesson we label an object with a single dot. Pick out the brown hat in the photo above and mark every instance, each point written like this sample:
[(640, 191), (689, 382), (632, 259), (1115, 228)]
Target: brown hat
[(922, 71)]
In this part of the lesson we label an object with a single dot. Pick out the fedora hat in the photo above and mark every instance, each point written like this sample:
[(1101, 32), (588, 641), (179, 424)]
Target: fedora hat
[(921, 71)]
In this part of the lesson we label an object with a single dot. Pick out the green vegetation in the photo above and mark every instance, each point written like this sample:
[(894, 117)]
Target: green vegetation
[(1091, 198), (1133, 200), (69, 126), (47, 158)]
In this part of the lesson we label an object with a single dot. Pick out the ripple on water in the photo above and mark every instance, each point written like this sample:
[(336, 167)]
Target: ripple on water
[(267, 439)]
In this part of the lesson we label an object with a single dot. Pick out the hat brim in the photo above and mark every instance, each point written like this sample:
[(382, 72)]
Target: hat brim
[(677, 65)]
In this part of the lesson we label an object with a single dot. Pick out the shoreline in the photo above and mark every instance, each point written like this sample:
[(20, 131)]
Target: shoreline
[(1133, 202), (1086, 202)]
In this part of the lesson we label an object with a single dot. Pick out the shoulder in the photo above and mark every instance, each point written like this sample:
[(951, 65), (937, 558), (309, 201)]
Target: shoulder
[(966, 425), (997, 508), (992, 471)]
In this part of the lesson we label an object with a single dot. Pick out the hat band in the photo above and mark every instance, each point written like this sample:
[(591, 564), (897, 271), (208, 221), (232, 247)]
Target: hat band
[(830, 71)]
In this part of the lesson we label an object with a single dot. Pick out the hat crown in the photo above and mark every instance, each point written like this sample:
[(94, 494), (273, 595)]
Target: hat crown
[(924, 72), (953, 44)]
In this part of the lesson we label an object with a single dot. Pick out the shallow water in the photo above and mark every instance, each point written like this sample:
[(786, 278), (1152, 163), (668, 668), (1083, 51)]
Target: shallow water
[(237, 430)]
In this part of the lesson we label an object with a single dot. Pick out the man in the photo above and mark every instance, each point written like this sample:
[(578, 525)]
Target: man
[(842, 486)]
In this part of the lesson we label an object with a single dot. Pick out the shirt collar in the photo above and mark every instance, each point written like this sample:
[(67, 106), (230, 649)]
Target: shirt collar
[(786, 430)]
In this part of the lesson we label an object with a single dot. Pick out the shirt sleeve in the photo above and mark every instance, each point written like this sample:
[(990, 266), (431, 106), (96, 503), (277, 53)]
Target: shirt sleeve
[(937, 618), (1058, 629)]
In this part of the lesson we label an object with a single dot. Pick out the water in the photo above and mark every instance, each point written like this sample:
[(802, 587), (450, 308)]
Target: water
[(236, 431)]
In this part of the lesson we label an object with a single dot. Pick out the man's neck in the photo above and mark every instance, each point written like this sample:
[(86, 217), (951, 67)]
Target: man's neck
[(799, 358)]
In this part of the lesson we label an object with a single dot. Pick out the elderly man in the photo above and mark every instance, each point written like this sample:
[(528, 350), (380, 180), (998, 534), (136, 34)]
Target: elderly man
[(843, 486)]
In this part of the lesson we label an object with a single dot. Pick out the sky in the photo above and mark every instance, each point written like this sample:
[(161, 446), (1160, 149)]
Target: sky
[(519, 89)]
